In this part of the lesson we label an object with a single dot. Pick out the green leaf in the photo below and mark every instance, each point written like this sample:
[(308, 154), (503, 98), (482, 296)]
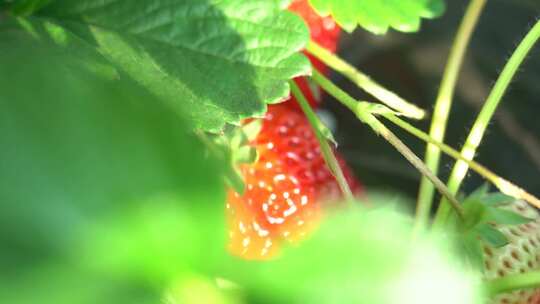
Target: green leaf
[(480, 192), (474, 214), (100, 183), (377, 16), (80, 54), (497, 199), (471, 247), (505, 217), (27, 7), (482, 207), (483, 214), (491, 235), (217, 61)]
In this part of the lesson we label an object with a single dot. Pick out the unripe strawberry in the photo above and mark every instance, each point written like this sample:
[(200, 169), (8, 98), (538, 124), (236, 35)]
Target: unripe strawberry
[(521, 255)]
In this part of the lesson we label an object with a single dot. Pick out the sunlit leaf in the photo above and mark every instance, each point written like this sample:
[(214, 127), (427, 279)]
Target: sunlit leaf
[(216, 61), (377, 16)]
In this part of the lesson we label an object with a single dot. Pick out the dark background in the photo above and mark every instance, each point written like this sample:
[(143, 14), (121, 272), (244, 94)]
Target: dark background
[(412, 66)]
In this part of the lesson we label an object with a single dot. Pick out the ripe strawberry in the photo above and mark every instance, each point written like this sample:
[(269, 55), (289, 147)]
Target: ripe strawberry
[(325, 32), (521, 255), (284, 188)]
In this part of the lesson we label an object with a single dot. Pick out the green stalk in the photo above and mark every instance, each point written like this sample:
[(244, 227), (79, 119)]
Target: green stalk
[(495, 179), (477, 132), (364, 82), (442, 109), (512, 282), (363, 112), (326, 150)]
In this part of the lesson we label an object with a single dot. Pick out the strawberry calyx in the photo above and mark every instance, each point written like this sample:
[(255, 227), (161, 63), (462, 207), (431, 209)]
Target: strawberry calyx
[(521, 255), (233, 147), (500, 236), (484, 214)]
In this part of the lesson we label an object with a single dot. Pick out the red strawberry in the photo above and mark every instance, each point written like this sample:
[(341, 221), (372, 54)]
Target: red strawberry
[(522, 254), (284, 188), (325, 32)]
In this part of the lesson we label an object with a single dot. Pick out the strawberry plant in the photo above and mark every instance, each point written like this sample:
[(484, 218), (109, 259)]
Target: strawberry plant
[(175, 151)]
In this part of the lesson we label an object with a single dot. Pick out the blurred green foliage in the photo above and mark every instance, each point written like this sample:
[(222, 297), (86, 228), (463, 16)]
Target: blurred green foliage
[(360, 256), (106, 197), (104, 194)]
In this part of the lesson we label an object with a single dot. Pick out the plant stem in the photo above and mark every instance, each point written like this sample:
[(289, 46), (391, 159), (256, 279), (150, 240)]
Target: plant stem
[(513, 282), (477, 132), (363, 113), (442, 109), (502, 184), (364, 82), (326, 150)]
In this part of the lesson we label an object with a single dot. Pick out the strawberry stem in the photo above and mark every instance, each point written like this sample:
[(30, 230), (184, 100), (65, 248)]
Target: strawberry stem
[(512, 282), (498, 181), (364, 114), (482, 121), (442, 109), (326, 150), (365, 82)]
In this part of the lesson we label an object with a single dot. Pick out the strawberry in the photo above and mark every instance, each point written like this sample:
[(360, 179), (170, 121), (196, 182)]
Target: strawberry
[(325, 32), (285, 187), (521, 255)]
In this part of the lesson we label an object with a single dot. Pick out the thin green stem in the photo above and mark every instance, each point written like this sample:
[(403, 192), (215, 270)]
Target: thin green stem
[(365, 82), (363, 112), (480, 125), (498, 181), (442, 109), (335, 91), (326, 150), (512, 282)]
